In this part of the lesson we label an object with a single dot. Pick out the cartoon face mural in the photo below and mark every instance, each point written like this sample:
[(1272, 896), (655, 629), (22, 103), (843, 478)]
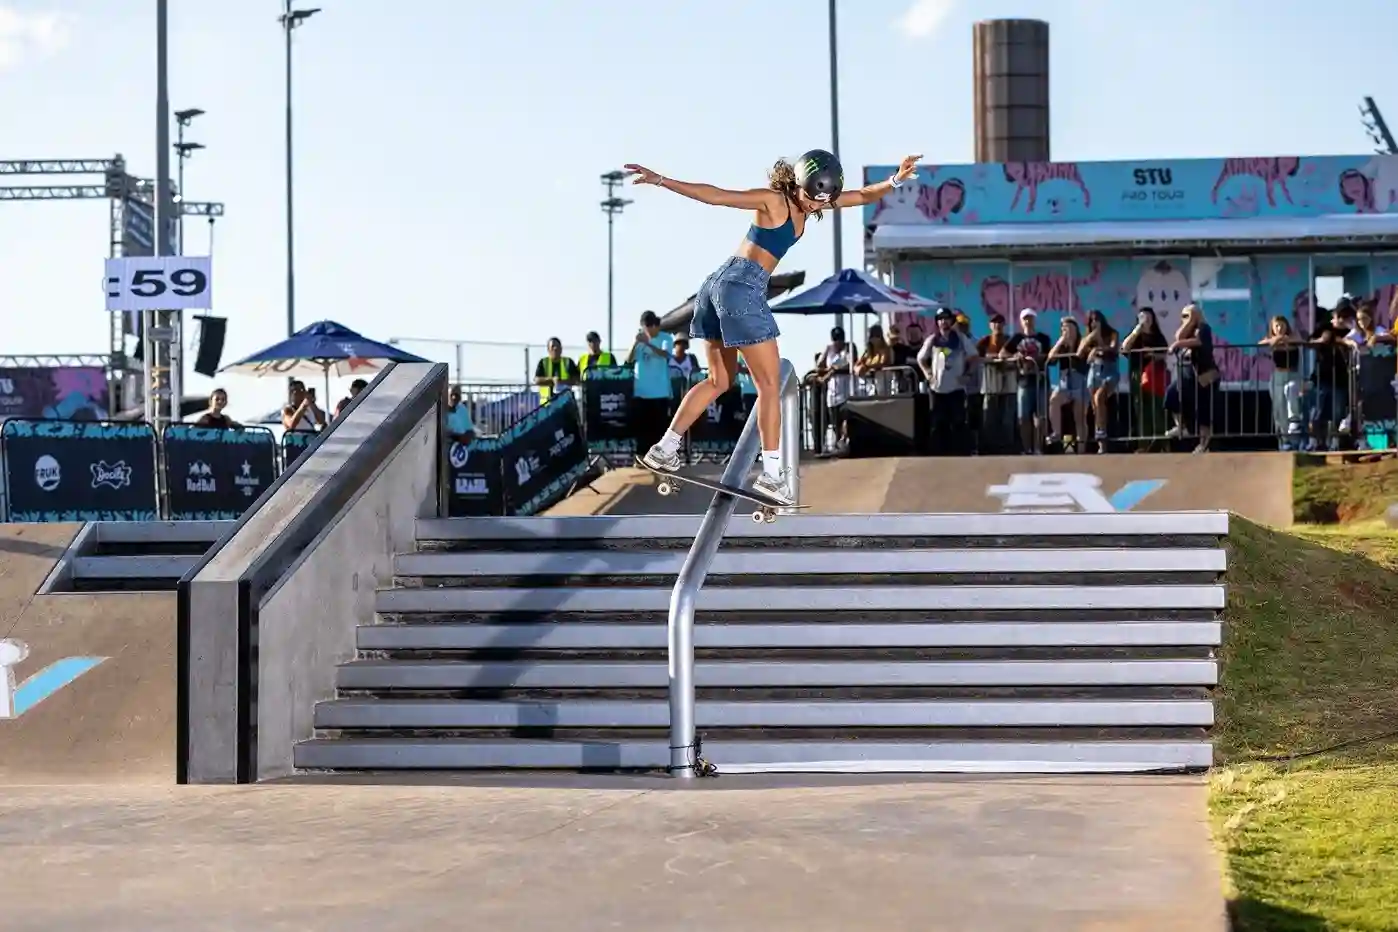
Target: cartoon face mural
[(901, 204), (1165, 288)]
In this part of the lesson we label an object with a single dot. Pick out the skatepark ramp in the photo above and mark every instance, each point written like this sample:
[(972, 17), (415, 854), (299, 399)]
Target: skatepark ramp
[(344, 624)]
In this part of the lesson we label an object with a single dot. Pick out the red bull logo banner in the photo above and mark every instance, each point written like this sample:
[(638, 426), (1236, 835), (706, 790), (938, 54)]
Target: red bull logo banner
[(66, 393), (1158, 189)]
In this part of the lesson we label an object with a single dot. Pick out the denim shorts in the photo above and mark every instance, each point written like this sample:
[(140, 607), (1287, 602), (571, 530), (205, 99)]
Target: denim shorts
[(1027, 401), (1073, 384), (1103, 372), (731, 306)]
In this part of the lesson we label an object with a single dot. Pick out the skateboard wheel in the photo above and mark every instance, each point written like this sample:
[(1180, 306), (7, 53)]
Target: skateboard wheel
[(758, 517), (665, 488)]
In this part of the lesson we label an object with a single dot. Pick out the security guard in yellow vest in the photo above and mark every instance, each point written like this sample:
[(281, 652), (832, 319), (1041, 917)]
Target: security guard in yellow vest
[(595, 357), (554, 371)]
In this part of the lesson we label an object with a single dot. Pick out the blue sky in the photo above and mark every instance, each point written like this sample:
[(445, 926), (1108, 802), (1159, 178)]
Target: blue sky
[(448, 158)]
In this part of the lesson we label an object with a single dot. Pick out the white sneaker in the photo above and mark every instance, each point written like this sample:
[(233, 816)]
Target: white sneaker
[(775, 487), (1174, 433), (658, 458)]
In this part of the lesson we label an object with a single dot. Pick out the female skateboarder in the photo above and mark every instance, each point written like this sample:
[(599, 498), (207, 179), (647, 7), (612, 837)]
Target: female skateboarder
[(731, 311)]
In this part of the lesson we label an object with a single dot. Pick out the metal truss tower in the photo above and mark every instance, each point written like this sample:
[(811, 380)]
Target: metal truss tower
[(1377, 129), (162, 346)]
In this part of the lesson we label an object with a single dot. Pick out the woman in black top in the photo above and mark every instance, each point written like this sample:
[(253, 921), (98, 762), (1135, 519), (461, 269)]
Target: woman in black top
[(1071, 387), (1191, 399), (1147, 377), (1100, 348), (1287, 381)]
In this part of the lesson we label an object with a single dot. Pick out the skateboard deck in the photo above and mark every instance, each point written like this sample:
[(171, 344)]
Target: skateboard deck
[(767, 507)]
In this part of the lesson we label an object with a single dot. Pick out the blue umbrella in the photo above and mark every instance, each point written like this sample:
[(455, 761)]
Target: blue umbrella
[(847, 291), (323, 348)]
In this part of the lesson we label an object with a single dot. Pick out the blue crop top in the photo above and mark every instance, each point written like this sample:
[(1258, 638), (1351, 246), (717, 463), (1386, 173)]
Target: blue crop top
[(776, 240)]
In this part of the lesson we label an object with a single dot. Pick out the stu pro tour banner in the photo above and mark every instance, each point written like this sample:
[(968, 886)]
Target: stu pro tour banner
[(64, 393), (1157, 189), (215, 475), (528, 468)]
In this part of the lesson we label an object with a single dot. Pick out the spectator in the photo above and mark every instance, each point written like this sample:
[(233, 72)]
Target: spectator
[(833, 368), (595, 355), (1287, 381), (997, 384), (1362, 340), (554, 371), (916, 337), (650, 355), (460, 427), (357, 386), (682, 361), (1330, 416), (1148, 374), (1101, 348), (1071, 388), (877, 356), (214, 415), (903, 354), (975, 404), (943, 362), (1028, 348), (1191, 399), (300, 411)]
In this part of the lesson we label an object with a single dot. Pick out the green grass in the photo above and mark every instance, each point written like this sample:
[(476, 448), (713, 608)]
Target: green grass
[(1329, 493), (1310, 660)]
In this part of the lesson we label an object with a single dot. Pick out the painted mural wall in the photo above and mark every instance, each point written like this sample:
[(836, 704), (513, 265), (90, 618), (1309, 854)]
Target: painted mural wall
[(1156, 189), (1280, 286)]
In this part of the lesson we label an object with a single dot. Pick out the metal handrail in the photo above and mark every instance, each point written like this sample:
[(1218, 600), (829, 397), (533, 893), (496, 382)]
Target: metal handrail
[(683, 751)]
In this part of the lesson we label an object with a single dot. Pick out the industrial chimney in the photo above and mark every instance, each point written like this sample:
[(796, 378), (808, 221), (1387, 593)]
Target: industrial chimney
[(1011, 65)]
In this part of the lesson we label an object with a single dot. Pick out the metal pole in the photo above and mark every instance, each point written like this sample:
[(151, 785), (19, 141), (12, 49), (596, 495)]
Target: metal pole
[(835, 149), (685, 595), (163, 201), (288, 24), (611, 343)]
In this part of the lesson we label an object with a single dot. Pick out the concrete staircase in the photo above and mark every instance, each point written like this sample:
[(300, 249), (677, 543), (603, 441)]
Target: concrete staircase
[(132, 556), (885, 642)]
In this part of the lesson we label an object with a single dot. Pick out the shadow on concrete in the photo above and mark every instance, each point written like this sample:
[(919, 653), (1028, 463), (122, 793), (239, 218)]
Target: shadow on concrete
[(31, 548), (1246, 914)]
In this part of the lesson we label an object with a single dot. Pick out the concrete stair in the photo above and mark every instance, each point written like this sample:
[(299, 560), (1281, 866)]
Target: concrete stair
[(1013, 643), (133, 556)]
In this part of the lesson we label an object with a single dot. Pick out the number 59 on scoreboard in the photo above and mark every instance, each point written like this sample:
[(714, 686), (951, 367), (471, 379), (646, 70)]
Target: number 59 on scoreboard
[(159, 283)]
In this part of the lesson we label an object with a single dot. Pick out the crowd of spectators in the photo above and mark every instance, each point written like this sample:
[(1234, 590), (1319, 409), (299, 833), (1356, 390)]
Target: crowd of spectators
[(1089, 386)]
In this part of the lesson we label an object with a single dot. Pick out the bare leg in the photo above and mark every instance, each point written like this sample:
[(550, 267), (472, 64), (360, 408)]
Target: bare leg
[(1056, 414), (764, 362), (723, 364), (1079, 425)]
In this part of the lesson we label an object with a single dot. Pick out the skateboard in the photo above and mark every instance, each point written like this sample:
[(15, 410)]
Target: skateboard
[(670, 483)]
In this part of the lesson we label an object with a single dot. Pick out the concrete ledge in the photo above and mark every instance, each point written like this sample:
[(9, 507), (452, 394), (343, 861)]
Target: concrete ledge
[(263, 618)]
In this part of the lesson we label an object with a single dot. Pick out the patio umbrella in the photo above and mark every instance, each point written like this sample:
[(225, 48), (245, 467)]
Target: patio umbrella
[(322, 348), (847, 291)]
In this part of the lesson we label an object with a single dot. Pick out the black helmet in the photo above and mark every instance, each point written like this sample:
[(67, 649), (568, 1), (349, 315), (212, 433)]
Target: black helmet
[(819, 174)]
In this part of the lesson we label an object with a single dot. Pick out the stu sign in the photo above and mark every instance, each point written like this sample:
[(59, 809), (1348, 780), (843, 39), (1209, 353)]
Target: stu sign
[(1059, 492)]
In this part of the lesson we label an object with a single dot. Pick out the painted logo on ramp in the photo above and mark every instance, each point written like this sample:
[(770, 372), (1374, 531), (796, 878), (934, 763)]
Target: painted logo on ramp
[(16, 699), (1060, 492)]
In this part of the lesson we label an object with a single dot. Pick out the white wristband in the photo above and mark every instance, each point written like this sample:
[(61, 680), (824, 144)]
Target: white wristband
[(893, 180)]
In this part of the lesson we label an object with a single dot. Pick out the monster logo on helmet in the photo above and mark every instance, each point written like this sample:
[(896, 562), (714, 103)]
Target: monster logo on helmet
[(819, 174)]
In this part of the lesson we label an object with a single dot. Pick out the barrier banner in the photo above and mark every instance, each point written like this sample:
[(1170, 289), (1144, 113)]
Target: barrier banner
[(213, 474), (477, 485), (79, 471), (294, 443), (66, 393), (716, 432), (543, 455), (1378, 396), (607, 394)]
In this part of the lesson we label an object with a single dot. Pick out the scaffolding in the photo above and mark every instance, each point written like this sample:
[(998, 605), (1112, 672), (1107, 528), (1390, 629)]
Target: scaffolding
[(132, 213)]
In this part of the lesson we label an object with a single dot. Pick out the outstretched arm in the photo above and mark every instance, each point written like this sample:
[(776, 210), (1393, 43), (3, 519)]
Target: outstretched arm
[(874, 192), (751, 199)]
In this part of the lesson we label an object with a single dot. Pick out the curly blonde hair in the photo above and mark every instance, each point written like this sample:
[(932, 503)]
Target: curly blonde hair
[(782, 179)]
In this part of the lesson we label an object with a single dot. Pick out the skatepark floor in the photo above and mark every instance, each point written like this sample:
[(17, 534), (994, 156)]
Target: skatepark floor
[(728, 855), (735, 854)]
